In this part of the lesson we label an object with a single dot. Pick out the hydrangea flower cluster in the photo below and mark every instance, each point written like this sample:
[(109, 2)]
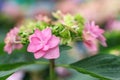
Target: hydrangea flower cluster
[(91, 33), (44, 37), (12, 41)]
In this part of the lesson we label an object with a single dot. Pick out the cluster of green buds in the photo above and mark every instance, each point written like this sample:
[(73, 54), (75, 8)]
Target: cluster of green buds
[(67, 27)]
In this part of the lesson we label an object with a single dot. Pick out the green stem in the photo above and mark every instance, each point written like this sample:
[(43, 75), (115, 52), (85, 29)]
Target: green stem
[(52, 72)]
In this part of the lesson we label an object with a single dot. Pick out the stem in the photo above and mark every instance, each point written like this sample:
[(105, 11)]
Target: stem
[(52, 72)]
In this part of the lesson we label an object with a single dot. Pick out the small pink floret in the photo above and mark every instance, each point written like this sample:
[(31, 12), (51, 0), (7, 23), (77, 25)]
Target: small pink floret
[(91, 33), (44, 44), (11, 41)]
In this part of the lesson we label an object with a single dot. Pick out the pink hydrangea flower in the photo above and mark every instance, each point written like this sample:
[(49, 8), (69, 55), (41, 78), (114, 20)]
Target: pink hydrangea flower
[(91, 33), (12, 41), (44, 44)]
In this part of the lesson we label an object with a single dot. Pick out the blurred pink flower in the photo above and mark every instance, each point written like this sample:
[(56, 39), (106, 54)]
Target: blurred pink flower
[(12, 41), (16, 76), (44, 44), (113, 25), (12, 10), (62, 72), (44, 18), (91, 33)]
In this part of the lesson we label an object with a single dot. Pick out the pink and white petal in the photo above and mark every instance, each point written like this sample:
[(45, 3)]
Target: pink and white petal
[(8, 48), (52, 53), (53, 42), (46, 34), (39, 54), (90, 45), (33, 48)]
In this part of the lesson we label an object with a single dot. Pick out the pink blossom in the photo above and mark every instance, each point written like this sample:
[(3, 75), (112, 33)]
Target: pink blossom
[(113, 25), (12, 10), (91, 33), (44, 44), (12, 41), (62, 72), (16, 76)]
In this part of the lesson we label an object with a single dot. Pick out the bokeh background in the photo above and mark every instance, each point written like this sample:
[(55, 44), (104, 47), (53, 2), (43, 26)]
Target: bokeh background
[(105, 13)]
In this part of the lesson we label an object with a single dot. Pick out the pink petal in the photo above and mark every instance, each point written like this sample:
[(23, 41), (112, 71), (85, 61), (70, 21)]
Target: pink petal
[(54, 41), (45, 48), (46, 33), (39, 54), (102, 40), (38, 34), (33, 48), (30, 37), (93, 23), (8, 48), (35, 40), (52, 53), (90, 45), (18, 46)]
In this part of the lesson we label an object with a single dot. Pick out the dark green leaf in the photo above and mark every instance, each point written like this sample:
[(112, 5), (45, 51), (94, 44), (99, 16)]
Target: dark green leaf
[(113, 42), (8, 69), (105, 66), (65, 55)]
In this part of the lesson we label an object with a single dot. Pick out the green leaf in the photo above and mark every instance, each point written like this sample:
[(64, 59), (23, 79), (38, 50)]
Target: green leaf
[(16, 56), (104, 66), (113, 43), (8, 69), (65, 55)]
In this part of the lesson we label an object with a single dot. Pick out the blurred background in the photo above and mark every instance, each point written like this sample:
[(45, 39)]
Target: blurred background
[(105, 13)]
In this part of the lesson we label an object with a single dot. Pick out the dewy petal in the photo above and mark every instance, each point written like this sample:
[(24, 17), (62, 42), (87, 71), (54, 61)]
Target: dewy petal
[(52, 53), (46, 34), (33, 48), (53, 42), (39, 54)]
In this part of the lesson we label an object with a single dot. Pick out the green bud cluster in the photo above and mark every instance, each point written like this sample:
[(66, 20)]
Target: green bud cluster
[(67, 27), (28, 27)]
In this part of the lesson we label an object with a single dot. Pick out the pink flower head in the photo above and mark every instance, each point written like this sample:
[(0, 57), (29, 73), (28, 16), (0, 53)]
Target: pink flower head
[(91, 33), (44, 44), (12, 41)]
